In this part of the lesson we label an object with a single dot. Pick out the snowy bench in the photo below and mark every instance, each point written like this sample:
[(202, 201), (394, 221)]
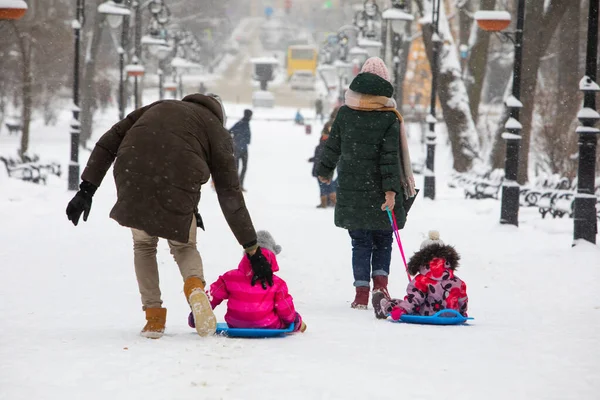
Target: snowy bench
[(484, 187), (30, 169), (557, 203), (563, 204)]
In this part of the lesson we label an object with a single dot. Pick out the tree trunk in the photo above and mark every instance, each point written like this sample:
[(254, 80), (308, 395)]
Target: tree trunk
[(538, 31), (404, 59), (452, 93), (479, 43), (25, 48), (27, 100), (568, 99), (88, 86)]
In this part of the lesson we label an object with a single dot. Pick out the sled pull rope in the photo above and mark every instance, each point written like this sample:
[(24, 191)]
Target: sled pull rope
[(394, 223)]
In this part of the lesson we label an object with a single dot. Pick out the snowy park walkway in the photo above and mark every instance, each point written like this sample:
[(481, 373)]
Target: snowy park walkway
[(71, 313)]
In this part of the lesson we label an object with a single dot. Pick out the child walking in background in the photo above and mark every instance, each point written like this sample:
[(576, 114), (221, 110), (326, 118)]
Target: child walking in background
[(250, 305), (435, 286), (327, 190)]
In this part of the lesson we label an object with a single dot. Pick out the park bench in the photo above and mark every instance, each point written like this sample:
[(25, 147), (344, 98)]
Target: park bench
[(30, 169)]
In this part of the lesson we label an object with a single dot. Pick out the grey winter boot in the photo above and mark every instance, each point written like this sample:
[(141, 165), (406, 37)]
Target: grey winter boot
[(380, 303)]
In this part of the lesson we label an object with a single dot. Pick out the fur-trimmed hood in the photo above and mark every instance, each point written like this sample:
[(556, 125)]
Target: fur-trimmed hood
[(424, 257)]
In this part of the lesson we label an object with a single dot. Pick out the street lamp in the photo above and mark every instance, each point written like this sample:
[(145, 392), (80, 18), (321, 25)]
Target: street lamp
[(160, 49), (115, 14), (358, 55), (156, 41), (76, 24), (343, 70), (135, 71), (397, 18), (373, 47), (12, 9), (161, 14), (365, 18), (429, 175), (584, 212), (496, 21)]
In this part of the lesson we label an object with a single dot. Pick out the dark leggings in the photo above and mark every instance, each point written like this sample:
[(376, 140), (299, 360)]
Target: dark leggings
[(243, 157)]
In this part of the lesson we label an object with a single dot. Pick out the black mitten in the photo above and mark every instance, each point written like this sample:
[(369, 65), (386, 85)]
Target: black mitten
[(261, 269), (81, 203)]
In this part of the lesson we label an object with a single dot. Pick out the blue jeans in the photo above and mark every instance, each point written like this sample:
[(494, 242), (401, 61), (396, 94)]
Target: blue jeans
[(326, 189), (371, 250)]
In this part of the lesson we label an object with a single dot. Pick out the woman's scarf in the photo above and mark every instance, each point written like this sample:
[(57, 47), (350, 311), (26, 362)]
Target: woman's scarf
[(368, 102)]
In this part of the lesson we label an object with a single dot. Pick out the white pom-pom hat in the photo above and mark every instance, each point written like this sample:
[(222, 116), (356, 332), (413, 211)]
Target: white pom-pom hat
[(432, 238)]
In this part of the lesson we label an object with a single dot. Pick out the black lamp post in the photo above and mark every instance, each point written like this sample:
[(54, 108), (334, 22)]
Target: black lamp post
[(496, 21), (395, 17), (509, 213), (137, 13), (156, 40), (117, 15), (584, 215), (73, 179), (429, 183)]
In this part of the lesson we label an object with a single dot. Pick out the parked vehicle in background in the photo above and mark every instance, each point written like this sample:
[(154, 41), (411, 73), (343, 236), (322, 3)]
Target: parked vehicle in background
[(303, 80), (302, 58)]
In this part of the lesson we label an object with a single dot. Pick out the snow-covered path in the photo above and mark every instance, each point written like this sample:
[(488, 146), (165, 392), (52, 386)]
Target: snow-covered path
[(71, 311)]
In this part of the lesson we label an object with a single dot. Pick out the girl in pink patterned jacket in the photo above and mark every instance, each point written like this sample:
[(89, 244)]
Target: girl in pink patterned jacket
[(251, 306), (435, 286)]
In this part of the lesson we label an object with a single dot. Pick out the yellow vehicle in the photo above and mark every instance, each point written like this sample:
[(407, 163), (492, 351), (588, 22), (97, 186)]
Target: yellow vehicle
[(301, 57)]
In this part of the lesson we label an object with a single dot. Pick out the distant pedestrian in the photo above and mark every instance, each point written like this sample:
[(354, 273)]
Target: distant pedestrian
[(299, 118), (319, 108), (241, 139), (327, 190)]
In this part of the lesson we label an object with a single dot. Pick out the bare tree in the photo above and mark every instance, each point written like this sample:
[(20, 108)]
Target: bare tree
[(479, 43), (540, 24), (93, 33), (452, 91), (40, 43)]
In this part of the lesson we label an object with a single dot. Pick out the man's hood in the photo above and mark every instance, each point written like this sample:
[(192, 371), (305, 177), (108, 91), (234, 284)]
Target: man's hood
[(209, 102)]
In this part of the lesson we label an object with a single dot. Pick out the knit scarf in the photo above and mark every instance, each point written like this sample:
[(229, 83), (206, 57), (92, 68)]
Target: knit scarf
[(368, 102)]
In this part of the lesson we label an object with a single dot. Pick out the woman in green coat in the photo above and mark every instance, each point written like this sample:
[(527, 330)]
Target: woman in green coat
[(368, 146)]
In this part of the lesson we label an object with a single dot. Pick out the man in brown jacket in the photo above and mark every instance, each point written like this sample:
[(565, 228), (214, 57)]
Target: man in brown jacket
[(164, 153)]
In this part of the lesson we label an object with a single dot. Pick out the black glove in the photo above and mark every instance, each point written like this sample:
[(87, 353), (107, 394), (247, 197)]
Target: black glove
[(261, 268), (81, 203)]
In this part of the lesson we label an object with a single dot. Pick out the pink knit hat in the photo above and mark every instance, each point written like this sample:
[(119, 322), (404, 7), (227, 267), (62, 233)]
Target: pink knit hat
[(375, 65)]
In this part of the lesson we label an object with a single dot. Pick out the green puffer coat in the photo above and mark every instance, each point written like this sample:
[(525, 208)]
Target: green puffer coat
[(365, 146)]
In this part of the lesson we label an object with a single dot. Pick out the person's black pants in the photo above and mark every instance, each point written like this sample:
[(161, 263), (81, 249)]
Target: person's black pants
[(243, 157)]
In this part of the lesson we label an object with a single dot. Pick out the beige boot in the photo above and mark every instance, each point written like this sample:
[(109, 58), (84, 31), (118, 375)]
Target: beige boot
[(204, 318), (323, 202), (155, 327)]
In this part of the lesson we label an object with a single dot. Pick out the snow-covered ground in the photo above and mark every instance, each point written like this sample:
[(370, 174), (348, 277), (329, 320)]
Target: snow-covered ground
[(71, 312)]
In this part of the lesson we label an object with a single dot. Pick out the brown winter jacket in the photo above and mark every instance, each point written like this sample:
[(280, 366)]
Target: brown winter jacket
[(164, 153)]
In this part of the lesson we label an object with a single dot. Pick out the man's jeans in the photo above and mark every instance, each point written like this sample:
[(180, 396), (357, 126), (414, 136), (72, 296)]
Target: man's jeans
[(371, 250)]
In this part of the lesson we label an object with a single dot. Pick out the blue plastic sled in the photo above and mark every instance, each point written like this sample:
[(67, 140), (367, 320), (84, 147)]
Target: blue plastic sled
[(224, 329), (436, 319)]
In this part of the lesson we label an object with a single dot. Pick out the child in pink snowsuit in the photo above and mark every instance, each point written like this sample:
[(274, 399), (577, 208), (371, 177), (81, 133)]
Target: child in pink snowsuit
[(251, 306), (435, 286)]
